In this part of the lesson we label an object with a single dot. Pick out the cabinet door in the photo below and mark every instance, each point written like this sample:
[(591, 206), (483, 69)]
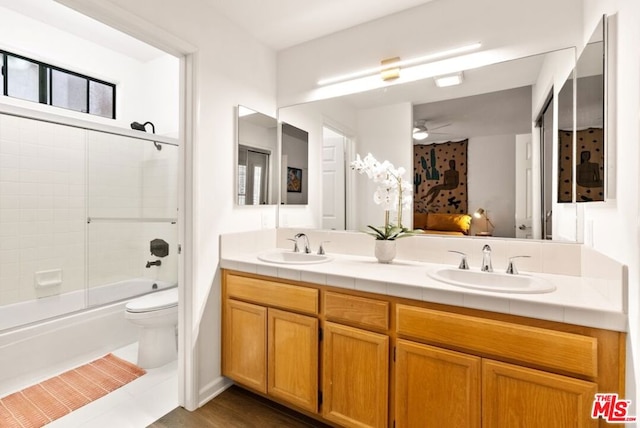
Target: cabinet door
[(436, 387), (293, 358), (355, 376), (244, 355), (514, 396)]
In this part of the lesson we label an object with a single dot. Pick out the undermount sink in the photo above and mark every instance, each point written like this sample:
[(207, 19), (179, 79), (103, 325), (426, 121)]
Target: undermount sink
[(492, 281), (291, 258)]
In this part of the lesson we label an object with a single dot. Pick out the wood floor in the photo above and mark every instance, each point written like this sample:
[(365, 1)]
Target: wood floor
[(236, 408)]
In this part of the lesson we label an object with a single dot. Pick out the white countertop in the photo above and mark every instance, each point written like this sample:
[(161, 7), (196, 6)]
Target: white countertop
[(576, 300)]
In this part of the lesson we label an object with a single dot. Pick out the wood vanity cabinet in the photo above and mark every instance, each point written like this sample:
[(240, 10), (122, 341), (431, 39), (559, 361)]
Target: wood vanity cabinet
[(436, 387), (385, 361), (244, 357), (511, 394), (355, 372), (268, 349), (514, 396)]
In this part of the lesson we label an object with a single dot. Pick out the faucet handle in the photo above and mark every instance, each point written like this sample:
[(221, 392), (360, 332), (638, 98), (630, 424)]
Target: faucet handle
[(321, 248), (463, 262), (295, 245), (511, 268)]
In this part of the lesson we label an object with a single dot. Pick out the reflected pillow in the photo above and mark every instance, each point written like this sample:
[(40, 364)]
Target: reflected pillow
[(449, 222)]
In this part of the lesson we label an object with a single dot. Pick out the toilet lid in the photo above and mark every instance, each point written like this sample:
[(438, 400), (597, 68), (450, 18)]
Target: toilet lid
[(154, 301)]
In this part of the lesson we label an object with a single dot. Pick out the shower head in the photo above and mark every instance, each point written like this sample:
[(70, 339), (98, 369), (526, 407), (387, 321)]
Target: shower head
[(142, 127)]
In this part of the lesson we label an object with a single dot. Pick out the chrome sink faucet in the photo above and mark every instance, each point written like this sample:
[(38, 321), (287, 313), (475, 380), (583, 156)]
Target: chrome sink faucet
[(486, 259), (306, 247)]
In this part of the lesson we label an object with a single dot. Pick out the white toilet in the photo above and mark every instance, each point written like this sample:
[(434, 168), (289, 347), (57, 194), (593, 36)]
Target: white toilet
[(157, 316)]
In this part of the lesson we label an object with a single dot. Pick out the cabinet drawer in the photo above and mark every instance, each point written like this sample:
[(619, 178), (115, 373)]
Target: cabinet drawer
[(271, 293), (556, 350), (358, 310)]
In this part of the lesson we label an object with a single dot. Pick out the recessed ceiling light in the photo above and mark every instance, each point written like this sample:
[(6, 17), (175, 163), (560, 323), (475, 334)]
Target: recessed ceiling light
[(449, 80)]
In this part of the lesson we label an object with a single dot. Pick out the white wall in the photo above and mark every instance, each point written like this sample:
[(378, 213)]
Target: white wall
[(491, 182), (153, 95), (146, 91), (504, 28), (612, 227), (385, 132)]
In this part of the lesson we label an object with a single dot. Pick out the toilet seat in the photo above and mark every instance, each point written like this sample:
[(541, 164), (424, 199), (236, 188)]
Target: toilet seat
[(154, 301)]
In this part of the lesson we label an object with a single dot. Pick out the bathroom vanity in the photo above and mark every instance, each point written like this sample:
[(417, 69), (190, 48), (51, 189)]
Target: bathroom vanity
[(358, 344)]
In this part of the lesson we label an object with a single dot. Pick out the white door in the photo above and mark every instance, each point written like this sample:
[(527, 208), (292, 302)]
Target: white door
[(333, 180), (524, 186)]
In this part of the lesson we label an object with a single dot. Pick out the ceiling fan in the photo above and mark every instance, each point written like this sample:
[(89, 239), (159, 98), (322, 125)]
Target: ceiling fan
[(420, 130)]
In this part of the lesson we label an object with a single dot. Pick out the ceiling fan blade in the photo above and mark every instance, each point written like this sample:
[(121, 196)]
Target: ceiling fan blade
[(438, 127)]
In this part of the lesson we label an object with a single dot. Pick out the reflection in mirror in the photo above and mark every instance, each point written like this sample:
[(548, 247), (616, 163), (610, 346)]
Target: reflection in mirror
[(478, 110), (257, 166), (476, 137), (590, 132), (295, 165)]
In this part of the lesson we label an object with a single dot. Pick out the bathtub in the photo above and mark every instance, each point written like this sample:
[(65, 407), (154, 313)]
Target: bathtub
[(25, 313), (61, 329)]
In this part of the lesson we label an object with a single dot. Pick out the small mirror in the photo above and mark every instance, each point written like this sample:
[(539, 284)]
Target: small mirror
[(257, 165), (295, 165), (590, 124)]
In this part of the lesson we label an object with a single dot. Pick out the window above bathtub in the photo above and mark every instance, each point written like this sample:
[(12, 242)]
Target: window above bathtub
[(32, 80)]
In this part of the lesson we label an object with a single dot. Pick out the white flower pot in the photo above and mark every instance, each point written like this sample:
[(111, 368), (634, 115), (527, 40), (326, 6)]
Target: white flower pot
[(385, 251)]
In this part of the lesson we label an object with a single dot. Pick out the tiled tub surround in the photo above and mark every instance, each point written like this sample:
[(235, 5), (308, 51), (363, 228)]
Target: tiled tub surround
[(52, 177), (591, 288)]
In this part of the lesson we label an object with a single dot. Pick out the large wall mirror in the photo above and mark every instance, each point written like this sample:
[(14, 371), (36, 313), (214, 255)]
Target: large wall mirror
[(257, 158), (494, 111)]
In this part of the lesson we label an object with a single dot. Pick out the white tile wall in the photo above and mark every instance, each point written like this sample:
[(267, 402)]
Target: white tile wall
[(544, 256), (51, 178), (42, 208)]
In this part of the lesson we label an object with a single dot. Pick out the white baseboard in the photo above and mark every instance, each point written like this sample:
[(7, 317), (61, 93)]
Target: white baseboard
[(213, 389)]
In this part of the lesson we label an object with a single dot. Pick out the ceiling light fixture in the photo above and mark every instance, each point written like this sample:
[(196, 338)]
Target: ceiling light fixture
[(420, 132), (400, 63), (449, 80), (390, 69)]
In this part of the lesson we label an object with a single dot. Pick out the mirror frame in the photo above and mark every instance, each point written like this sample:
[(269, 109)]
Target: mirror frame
[(598, 35)]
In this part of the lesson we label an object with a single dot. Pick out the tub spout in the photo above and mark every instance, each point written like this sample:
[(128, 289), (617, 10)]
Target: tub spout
[(155, 263)]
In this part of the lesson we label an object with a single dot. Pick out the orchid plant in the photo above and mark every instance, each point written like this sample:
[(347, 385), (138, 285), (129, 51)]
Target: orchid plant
[(393, 193)]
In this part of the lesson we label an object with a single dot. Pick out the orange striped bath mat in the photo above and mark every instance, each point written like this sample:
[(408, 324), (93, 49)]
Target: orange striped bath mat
[(40, 404)]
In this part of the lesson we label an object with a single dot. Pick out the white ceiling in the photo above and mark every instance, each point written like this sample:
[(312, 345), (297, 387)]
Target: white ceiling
[(284, 23), (58, 16), (277, 23)]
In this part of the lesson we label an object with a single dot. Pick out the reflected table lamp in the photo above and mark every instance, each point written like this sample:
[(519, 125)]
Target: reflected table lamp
[(480, 213)]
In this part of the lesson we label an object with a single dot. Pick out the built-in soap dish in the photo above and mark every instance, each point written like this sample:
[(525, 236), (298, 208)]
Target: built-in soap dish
[(48, 278)]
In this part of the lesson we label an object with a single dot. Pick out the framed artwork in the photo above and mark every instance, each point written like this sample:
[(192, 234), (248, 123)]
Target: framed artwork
[(440, 177), (294, 180)]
